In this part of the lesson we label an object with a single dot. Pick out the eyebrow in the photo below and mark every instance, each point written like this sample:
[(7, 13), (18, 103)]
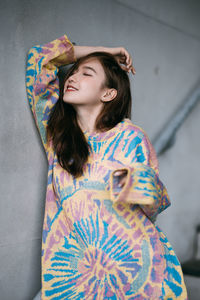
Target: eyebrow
[(87, 67)]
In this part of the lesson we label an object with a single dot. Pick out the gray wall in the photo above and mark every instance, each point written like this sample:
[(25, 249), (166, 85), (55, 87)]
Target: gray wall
[(164, 40)]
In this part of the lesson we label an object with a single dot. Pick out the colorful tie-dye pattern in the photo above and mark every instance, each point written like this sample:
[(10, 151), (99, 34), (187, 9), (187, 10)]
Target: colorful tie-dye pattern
[(100, 241)]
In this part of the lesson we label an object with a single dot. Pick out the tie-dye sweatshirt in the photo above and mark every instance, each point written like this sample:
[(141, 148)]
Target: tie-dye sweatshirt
[(100, 241)]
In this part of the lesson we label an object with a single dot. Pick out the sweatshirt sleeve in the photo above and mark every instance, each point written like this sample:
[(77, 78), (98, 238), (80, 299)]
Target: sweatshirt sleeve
[(143, 185), (42, 84)]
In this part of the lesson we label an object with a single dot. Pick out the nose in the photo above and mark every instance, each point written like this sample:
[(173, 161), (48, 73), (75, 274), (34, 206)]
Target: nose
[(73, 77), (70, 79)]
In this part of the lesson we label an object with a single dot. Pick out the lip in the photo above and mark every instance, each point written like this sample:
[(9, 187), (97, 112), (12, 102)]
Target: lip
[(70, 86)]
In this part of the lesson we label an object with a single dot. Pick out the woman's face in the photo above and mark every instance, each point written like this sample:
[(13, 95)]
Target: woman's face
[(85, 85)]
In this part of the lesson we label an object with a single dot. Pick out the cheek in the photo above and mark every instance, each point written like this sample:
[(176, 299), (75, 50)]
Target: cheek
[(93, 87), (93, 92), (64, 87)]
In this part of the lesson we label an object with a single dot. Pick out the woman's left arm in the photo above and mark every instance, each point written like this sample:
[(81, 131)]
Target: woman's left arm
[(140, 182)]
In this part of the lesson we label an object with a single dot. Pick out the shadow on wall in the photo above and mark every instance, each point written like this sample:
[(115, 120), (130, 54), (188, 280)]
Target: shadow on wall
[(166, 138)]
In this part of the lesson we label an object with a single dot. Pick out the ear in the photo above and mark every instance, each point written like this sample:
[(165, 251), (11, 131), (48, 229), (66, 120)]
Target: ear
[(109, 95)]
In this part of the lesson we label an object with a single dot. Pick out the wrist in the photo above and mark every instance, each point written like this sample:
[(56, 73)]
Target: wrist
[(80, 51)]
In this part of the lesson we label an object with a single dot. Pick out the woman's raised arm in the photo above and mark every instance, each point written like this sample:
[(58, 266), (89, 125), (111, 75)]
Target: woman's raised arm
[(120, 53), (42, 82)]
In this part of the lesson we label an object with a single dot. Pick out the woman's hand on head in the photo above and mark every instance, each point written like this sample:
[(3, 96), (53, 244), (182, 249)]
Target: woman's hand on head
[(123, 58), (120, 53)]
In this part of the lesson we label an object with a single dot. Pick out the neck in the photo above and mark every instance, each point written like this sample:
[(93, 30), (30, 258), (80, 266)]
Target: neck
[(86, 118)]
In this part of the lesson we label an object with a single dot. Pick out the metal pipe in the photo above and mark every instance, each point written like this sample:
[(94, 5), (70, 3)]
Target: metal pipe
[(166, 137)]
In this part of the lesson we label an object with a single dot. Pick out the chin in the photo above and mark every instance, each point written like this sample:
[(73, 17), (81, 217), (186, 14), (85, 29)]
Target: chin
[(72, 103), (67, 100)]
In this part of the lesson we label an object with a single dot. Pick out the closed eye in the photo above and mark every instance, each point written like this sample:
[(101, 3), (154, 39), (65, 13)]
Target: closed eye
[(86, 74)]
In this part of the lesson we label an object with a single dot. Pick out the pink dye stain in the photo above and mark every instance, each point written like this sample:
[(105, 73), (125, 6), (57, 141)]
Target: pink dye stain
[(137, 233)]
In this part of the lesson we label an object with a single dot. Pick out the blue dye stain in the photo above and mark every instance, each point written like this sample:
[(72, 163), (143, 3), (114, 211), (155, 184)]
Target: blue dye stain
[(48, 277), (132, 145), (140, 154), (177, 290), (175, 274)]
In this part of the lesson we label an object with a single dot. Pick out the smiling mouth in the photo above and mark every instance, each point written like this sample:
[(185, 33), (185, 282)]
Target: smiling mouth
[(70, 89)]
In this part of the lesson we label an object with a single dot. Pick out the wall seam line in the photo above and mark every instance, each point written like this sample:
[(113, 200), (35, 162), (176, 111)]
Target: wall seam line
[(193, 36)]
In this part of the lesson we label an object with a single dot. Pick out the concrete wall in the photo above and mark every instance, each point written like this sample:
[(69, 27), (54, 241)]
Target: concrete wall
[(164, 40)]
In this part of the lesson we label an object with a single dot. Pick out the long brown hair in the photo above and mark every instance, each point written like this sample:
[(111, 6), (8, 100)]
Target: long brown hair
[(69, 141)]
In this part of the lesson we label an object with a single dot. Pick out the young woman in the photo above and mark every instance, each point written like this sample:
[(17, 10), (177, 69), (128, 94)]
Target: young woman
[(103, 192)]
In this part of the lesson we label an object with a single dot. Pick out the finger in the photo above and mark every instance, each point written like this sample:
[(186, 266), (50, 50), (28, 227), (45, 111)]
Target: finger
[(129, 60), (124, 58), (133, 70), (122, 182), (124, 53), (118, 173), (124, 68), (128, 69), (130, 63)]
